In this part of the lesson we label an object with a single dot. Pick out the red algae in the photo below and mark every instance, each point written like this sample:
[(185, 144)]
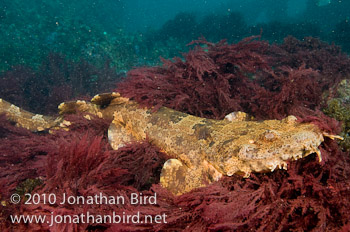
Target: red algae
[(214, 80), (56, 80), (252, 76), (267, 81), (209, 83)]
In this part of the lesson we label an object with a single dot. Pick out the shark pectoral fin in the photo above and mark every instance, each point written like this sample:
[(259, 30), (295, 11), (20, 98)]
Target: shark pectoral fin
[(211, 172), (179, 178), (118, 136)]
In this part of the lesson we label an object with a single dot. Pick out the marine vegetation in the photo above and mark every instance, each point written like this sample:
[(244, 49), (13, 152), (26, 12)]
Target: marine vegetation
[(268, 82), (57, 79), (339, 108)]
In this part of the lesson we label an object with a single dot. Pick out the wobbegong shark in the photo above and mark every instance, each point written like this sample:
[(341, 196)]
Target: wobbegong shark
[(201, 150)]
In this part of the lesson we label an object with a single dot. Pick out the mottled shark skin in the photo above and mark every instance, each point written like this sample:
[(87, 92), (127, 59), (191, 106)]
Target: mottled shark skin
[(25, 119), (201, 150)]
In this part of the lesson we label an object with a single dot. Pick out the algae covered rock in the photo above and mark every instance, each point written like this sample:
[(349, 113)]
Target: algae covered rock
[(339, 108)]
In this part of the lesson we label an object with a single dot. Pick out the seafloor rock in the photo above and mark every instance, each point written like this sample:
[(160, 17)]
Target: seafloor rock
[(339, 108)]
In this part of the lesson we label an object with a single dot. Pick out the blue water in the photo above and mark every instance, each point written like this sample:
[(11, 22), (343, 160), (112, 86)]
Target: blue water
[(141, 14), (137, 32)]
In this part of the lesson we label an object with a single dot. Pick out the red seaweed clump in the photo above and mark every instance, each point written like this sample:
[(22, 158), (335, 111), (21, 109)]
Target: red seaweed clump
[(214, 80), (55, 81), (211, 81), (314, 53), (78, 162), (22, 155), (208, 83)]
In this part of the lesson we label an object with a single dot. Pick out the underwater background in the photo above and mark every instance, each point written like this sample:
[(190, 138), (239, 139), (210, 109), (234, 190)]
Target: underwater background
[(268, 58)]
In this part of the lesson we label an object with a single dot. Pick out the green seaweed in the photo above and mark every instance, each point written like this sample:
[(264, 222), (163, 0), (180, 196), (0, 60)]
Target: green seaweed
[(339, 108), (28, 186)]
